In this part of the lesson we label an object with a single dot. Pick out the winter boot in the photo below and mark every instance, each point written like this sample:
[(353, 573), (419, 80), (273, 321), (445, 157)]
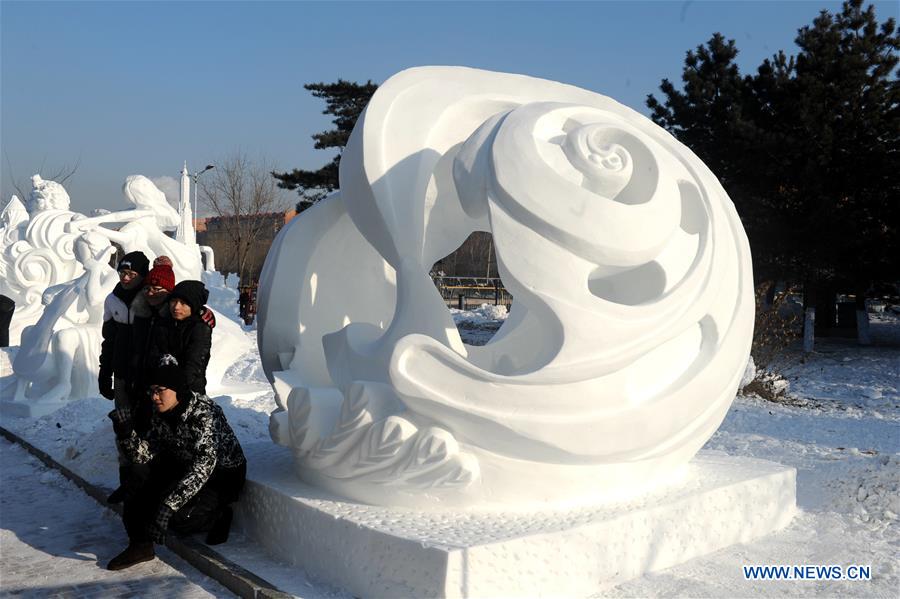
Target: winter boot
[(135, 553), (120, 494), (218, 534)]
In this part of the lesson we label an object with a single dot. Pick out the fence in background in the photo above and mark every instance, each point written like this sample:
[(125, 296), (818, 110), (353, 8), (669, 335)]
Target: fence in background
[(461, 292)]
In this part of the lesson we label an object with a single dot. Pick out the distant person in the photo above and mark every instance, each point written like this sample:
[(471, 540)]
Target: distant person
[(195, 467), (185, 336), (244, 302), (7, 307), (251, 306), (116, 348)]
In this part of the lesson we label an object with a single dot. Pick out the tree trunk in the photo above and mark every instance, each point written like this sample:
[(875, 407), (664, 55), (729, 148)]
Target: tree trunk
[(826, 313), (863, 335), (809, 316), (809, 329), (770, 295)]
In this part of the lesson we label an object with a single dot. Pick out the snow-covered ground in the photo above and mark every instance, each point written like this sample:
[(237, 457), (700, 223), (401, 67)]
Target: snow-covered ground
[(55, 541), (838, 424)]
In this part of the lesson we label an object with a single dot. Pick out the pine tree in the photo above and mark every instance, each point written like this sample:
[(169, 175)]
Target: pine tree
[(709, 109), (808, 150), (345, 100), (847, 140)]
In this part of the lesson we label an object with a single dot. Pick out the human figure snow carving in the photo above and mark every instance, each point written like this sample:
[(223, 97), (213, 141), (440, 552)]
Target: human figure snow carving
[(35, 249), (145, 227), (58, 355)]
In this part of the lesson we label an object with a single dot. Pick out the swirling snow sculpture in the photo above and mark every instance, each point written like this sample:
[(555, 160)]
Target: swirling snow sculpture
[(627, 339), (58, 357), (36, 250)]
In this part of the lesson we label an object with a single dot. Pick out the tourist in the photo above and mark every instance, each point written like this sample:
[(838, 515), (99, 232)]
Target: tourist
[(195, 467), (116, 348), (151, 311), (244, 303), (185, 335)]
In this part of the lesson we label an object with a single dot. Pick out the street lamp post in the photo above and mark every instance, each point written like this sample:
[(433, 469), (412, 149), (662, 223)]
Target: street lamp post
[(194, 177)]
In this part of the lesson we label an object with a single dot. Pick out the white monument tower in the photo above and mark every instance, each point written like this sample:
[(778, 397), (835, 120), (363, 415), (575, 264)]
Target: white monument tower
[(185, 231)]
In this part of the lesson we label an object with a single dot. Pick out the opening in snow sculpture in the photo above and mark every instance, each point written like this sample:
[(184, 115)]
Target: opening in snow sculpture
[(632, 316)]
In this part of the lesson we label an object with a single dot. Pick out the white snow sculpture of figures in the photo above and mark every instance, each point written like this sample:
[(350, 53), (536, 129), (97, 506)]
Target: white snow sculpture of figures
[(632, 315), (58, 357), (35, 250), (145, 227)]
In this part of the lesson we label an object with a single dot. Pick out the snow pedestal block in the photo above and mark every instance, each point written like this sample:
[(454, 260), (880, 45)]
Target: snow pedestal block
[(384, 552), (32, 408)]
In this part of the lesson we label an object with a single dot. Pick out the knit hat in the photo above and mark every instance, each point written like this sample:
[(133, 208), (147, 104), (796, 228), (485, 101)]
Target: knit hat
[(193, 293), (160, 275), (163, 261), (135, 261), (168, 374)]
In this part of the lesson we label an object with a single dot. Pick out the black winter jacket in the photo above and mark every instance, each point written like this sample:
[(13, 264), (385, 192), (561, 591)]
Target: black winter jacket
[(194, 433), (116, 348), (190, 341), (146, 320)]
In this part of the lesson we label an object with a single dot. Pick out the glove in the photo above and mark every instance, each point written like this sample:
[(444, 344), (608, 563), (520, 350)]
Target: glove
[(157, 528), (105, 382), (208, 317), (122, 423)]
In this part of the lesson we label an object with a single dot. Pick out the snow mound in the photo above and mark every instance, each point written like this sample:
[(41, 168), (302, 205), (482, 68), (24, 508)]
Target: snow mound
[(870, 493), (248, 368), (482, 315), (222, 300)]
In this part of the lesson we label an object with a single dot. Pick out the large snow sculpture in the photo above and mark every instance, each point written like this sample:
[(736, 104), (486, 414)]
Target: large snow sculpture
[(145, 227), (55, 265), (36, 250), (627, 339), (58, 356)]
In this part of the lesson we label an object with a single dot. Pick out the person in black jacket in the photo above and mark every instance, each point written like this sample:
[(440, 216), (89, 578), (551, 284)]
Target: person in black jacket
[(196, 467), (114, 379), (115, 350), (151, 312), (185, 336)]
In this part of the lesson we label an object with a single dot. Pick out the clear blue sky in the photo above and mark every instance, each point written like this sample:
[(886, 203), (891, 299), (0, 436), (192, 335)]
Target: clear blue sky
[(134, 87)]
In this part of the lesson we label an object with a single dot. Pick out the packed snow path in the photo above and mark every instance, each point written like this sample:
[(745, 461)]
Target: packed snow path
[(56, 541)]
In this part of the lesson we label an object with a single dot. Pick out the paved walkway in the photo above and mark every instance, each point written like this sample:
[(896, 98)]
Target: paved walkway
[(55, 541)]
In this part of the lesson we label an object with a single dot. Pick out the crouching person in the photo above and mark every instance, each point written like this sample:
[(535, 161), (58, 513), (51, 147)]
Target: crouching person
[(196, 468)]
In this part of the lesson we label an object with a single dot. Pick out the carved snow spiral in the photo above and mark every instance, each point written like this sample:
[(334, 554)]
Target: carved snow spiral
[(630, 270)]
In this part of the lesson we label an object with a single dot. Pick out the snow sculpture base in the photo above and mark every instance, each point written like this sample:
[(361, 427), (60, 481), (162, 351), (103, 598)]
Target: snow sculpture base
[(28, 409), (383, 552)]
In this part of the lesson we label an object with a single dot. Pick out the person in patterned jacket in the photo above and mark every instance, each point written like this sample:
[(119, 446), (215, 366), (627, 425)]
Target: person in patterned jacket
[(196, 467)]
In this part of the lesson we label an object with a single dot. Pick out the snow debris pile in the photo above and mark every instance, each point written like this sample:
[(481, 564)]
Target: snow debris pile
[(872, 495), (483, 315), (765, 384), (478, 326)]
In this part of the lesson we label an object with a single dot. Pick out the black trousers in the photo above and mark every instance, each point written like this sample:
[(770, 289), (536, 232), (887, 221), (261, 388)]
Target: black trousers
[(197, 515)]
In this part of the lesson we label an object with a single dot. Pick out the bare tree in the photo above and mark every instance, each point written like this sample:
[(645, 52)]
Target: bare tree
[(247, 210), (60, 175)]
